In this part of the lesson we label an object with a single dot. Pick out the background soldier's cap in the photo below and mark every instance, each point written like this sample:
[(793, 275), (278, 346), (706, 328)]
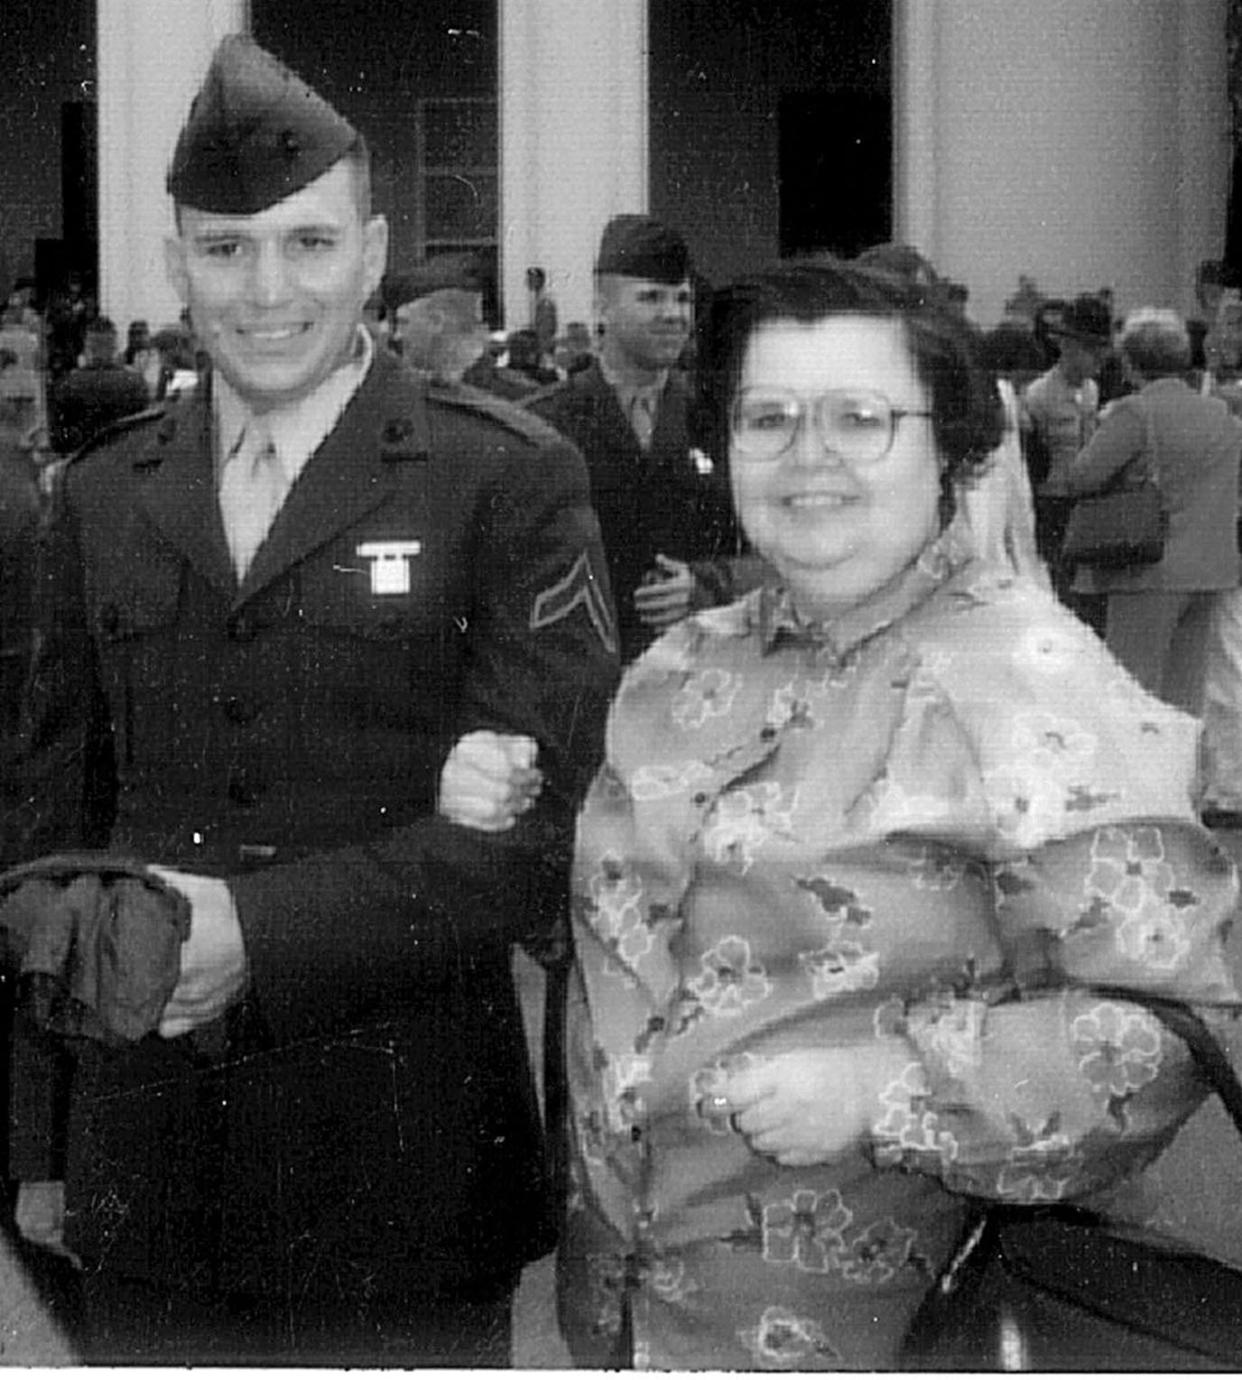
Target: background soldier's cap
[(1086, 318), (642, 247), (256, 133)]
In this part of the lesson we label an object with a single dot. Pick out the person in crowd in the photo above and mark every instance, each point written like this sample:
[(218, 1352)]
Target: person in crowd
[(1010, 349), (137, 340), (1211, 281), (525, 359), (20, 307), (1158, 614), (1059, 415), (21, 382), (1222, 671), (669, 536), (442, 333), (543, 314), (832, 968), (67, 316), (575, 349), (142, 355), (277, 617), (100, 391), (1222, 713), (1223, 376), (178, 366)]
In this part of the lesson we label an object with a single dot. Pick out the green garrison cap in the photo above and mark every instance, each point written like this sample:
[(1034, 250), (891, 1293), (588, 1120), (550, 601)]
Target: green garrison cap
[(256, 133), (642, 247)]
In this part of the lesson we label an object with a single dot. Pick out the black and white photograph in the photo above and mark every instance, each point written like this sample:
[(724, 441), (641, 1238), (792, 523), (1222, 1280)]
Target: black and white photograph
[(621, 685)]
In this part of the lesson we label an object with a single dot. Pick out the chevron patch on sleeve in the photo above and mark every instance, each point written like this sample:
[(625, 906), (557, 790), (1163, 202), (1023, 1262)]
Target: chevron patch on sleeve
[(579, 588)]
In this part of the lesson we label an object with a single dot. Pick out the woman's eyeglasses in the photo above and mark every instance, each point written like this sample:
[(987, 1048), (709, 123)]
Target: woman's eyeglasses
[(856, 425)]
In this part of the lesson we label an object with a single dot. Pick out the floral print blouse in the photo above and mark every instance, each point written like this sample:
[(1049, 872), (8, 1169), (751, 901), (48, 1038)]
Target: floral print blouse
[(932, 822)]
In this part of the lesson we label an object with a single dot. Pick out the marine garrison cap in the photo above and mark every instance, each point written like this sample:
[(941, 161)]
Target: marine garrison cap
[(642, 247), (256, 133)]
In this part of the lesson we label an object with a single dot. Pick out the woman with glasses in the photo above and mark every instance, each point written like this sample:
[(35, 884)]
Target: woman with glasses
[(860, 844), (860, 841)]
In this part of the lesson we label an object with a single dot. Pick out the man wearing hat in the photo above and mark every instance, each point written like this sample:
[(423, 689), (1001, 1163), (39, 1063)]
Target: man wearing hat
[(664, 510), (287, 618), (1059, 413)]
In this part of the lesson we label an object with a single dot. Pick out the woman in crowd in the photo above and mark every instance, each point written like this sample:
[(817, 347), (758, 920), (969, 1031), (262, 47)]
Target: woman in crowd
[(1159, 615), (861, 843)]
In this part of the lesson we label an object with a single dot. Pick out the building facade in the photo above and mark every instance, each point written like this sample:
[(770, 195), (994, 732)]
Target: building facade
[(1085, 143)]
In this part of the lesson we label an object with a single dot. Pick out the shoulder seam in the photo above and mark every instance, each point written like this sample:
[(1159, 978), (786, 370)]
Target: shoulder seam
[(112, 430), (513, 417)]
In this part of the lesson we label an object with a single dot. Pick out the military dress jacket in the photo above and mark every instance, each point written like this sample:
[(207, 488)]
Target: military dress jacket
[(670, 498), (435, 569)]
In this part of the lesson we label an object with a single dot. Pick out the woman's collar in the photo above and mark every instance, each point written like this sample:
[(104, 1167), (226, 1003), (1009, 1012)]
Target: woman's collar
[(779, 619)]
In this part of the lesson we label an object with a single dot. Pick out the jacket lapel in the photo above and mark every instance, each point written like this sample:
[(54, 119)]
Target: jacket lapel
[(668, 440), (350, 474), (617, 450), (179, 492)]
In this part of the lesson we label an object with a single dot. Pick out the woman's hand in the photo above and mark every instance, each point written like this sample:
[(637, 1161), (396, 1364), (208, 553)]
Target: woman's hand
[(489, 780), (809, 1105)]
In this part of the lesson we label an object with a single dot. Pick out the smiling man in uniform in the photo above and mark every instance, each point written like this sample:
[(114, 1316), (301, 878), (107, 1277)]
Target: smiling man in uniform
[(278, 615), (664, 509)]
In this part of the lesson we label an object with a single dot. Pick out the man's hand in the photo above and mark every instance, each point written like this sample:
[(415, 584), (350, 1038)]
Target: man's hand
[(809, 1105), (666, 594), (489, 780), (213, 958)]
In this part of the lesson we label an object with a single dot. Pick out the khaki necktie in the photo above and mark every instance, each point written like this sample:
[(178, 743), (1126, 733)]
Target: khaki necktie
[(642, 418), (252, 488)]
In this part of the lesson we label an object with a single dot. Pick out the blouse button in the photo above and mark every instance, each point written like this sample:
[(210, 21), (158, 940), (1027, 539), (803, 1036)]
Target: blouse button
[(700, 798)]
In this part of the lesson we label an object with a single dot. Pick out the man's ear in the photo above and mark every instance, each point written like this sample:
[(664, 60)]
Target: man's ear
[(602, 299), (374, 252), (174, 266)]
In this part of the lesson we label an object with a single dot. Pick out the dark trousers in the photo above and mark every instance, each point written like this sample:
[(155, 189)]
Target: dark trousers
[(1161, 638), (137, 1323), (1052, 515)]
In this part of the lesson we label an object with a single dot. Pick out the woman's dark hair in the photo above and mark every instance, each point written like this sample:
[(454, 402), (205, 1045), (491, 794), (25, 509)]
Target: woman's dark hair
[(967, 417)]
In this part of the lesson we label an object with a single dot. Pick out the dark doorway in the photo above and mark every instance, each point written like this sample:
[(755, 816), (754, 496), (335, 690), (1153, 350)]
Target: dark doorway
[(836, 171)]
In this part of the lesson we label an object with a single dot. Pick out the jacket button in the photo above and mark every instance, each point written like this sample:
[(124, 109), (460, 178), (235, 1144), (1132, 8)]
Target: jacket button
[(241, 628), (110, 619), (398, 430)]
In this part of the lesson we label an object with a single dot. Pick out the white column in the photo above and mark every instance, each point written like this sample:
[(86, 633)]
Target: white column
[(573, 140), (915, 70), (1205, 150), (152, 55), (1083, 144)]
